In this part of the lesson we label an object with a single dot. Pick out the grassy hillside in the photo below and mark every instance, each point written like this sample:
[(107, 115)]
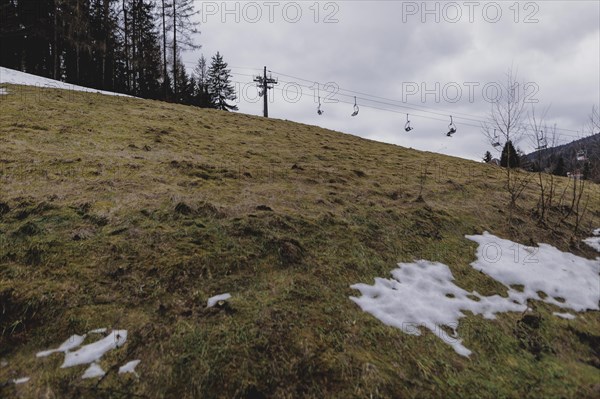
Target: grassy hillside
[(130, 214)]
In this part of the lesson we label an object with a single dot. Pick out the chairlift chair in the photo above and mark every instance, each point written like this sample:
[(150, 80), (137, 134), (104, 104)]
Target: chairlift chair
[(319, 110), (356, 109), (496, 140), (542, 143), (407, 127), (451, 127)]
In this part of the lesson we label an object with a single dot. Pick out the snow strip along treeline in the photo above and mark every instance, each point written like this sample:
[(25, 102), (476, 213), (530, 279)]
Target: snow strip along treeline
[(10, 76), (423, 293)]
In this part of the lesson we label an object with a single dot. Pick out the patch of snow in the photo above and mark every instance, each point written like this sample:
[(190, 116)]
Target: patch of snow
[(73, 342), (568, 281), (12, 76), (567, 316), (3, 91), (129, 367), (97, 331), (94, 351), (422, 294), (3, 363), (593, 242), (21, 380), (93, 371), (217, 298), (596, 232)]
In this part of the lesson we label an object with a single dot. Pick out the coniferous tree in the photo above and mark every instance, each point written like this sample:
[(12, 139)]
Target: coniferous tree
[(182, 13), (11, 35), (146, 59), (166, 81), (203, 98), (185, 92), (509, 157), (106, 44), (219, 84)]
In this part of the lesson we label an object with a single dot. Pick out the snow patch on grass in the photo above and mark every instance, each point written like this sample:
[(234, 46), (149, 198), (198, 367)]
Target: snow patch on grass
[(593, 242), (3, 91), (217, 298), (567, 316), (93, 371), (73, 342), (22, 380), (568, 281), (423, 294), (94, 351), (90, 353), (129, 367)]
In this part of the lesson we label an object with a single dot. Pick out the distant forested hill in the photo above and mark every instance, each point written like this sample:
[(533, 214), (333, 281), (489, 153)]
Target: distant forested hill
[(575, 155)]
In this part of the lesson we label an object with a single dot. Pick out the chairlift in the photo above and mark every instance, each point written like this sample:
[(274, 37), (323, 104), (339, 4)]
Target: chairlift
[(451, 127), (581, 156), (496, 140), (407, 127), (355, 108), (542, 143), (319, 110)]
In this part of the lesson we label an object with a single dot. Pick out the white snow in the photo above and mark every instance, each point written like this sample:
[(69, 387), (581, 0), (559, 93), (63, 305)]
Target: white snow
[(3, 91), (73, 342), (423, 294), (93, 371), (568, 281), (129, 367), (217, 298), (97, 331), (94, 351), (91, 353), (594, 242), (12, 76), (567, 316), (20, 380)]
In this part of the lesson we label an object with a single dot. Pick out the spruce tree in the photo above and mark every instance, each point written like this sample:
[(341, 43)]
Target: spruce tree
[(509, 158), (203, 98), (219, 85), (182, 14)]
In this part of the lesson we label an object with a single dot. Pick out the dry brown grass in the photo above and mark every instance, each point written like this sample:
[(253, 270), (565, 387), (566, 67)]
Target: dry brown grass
[(129, 214)]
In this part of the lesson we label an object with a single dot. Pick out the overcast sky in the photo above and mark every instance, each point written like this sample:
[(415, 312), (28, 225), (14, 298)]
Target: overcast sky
[(410, 52)]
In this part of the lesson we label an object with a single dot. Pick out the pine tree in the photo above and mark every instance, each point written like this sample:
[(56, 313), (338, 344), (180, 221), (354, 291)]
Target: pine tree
[(219, 85), (509, 158), (146, 57), (202, 97), (487, 158), (182, 13), (185, 93)]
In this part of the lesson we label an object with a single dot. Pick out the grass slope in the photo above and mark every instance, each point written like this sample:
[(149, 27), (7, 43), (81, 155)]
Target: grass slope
[(129, 214)]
